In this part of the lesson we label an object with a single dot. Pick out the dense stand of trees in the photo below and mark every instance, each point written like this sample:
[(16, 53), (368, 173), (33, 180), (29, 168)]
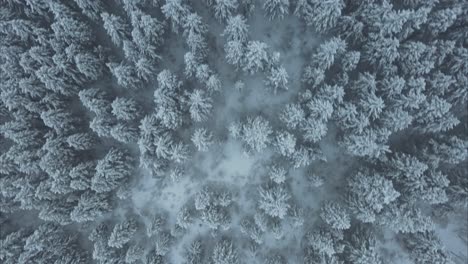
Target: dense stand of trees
[(78, 129)]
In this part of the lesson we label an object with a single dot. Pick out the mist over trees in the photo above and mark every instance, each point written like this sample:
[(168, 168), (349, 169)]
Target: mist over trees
[(233, 131)]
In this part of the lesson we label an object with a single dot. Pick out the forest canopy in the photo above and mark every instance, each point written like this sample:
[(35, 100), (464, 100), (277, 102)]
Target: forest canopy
[(234, 131)]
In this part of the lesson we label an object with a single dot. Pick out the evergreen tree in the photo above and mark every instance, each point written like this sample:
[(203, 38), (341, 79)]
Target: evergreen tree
[(314, 130), (335, 215), (370, 143), (224, 252), (147, 34), (213, 84), (126, 109), (236, 29), (416, 58), (117, 28), (216, 217), (60, 120), (369, 194), (285, 143), (235, 53), (446, 149), (165, 98), (122, 233), (249, 228), (82, 141), (91, 8), (277, 79), (112, 170), (163, 244), (350, 60), (154, 258), (362, 248), (90, 207), (426, 247), (440, 20), (381, 51), (324, 241), (405, 218), (11, 246), (292, 115), (321, 15), (256, 57), (202, 139), (102, 125), (277, 174), (126, 75), (125, 132), (435, 116), (175, 11), (191, 63), (224, 8), (90, 65), (396, 119), (81, 175), (199, 105), (155, 225), (194, 25), (327, 52), (96, 100), (256, 133), (184, 218), (276, 8), (320, 109), (274, 200), (194, 253), (134, 253), (179, 152), (372, 105)]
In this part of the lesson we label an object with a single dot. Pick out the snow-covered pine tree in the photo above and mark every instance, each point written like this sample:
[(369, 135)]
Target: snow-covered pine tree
[(276, 8), (91, 8), (223, 9), (285, 143), (328, 52), (224, 252), (126, 75), (126, 109), (426, 247), (277, 78), (321, 15), (194, 253), (274, 200), (369, 193), (335, 215), (256, 133), (235, 53), (125, 132), (199, 105), (293, 115), (96, 100), (405, 218), (90, 207), (202, 139), (236, 29), (175, 11), (82, 141), (81, 175), (115, 167), (122, 233), (135, 252), (256, 57), (117, 28)]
